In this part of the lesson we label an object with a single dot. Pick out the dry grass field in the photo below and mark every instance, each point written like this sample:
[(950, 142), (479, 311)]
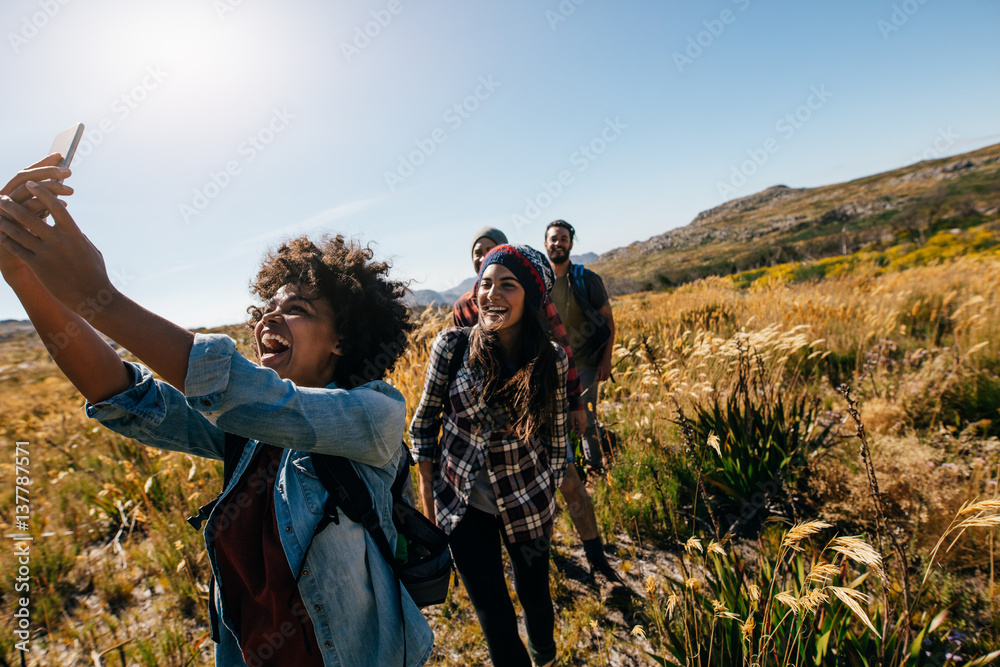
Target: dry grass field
[(754, 515)]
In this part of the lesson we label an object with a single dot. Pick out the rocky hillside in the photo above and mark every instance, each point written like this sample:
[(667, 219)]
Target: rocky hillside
[(783, 224)]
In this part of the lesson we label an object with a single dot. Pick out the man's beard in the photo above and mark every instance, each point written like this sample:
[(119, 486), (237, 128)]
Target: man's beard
[(558, 256)]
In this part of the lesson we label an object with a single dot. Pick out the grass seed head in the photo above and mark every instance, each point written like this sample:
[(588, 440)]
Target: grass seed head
[(991, 505), (692, 545), (721, 611), (788, 600), (812, 600), (713, 442), (853, 600), (801, 531), (822, 573), (672, 601), (859, 551)]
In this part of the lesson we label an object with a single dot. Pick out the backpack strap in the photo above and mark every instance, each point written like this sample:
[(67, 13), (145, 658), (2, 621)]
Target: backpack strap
[(579, 282), (232, 453), (235, 444), (347, 491), (458, 354), (402, 474)]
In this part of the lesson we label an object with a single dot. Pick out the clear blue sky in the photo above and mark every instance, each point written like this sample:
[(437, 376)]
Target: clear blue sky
[(669, 98)]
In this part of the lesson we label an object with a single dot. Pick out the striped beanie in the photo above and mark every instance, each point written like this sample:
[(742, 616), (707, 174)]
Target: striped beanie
[(529, 266)]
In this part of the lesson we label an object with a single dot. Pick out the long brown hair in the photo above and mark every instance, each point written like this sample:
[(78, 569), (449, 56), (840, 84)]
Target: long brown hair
[(529, 395)]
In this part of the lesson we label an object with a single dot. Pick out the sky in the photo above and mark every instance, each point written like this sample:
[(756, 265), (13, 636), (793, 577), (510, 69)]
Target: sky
[(216, 128)]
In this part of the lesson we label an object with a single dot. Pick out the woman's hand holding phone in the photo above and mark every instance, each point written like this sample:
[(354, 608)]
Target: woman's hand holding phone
[(68, 265), (46, 171), (49, 174)]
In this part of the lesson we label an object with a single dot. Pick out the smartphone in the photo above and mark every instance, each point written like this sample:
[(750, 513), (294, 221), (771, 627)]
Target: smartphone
[(66, 142)]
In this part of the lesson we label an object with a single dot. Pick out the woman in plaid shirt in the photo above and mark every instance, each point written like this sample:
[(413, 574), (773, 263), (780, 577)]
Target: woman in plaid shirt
[(492, 472)]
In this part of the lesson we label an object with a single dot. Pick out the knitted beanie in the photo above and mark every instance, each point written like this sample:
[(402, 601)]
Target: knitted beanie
[(529, 266), (491, 233)]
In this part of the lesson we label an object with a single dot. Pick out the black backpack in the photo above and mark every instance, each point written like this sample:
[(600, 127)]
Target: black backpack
[(597, 330)]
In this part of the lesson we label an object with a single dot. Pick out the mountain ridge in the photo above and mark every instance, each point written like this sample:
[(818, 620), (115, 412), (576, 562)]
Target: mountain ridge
[(781, 223)]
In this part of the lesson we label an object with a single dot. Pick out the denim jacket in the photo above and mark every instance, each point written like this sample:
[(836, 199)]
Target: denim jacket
[(348, 589)]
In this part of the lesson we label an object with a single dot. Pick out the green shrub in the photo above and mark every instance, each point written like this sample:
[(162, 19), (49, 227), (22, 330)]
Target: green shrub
[(761, 441)]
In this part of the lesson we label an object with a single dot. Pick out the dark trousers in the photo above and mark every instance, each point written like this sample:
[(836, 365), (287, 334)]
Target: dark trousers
[(475, 547)]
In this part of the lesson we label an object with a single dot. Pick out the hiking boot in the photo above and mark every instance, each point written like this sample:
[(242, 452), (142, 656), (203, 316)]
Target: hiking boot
[(599, 564), (541, 658), (604, 568)]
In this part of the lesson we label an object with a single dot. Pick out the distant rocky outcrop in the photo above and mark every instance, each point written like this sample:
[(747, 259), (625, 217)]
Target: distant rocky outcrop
[(783, 224), (12, 327)]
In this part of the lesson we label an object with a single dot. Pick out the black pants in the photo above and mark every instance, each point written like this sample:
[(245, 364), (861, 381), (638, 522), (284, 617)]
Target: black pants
[(475, 546)]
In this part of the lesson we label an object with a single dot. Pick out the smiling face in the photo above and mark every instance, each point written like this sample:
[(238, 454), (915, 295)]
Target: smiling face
[(296, 337), (500, 297), (483, 246), (558, 244)]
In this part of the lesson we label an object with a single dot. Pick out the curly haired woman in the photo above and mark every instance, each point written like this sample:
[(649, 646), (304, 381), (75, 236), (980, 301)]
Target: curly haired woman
[(492, 472), (284, 596)]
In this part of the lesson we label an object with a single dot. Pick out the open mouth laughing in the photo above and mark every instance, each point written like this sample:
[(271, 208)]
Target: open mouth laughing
[(272, 345), (496, 315)]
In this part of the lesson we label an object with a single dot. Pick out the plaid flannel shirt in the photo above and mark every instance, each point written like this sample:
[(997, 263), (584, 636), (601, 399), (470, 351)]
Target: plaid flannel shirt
[(524, 475), (465, 313)]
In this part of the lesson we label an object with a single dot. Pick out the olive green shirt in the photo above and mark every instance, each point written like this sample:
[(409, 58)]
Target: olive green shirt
[(575, 317)]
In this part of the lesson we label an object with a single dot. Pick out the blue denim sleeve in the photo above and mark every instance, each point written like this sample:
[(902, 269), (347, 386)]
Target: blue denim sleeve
[(364, 424), (156, 414)]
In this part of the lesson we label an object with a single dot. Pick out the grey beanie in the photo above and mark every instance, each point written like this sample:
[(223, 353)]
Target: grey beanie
[(491, 233)]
